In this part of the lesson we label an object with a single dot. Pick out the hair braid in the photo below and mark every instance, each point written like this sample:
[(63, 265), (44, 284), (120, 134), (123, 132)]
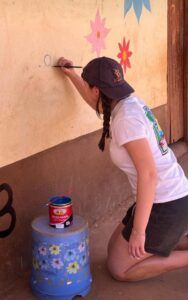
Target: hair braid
[(106, 106)]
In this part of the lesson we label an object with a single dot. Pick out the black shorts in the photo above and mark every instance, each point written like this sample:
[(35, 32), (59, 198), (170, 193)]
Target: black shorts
[(167, 223)]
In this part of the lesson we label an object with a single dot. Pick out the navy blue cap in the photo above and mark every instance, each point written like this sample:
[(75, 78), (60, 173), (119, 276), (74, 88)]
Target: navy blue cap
[(107, 74)]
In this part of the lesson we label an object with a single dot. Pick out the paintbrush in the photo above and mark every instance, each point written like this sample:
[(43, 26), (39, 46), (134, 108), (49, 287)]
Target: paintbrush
[(67, 67)]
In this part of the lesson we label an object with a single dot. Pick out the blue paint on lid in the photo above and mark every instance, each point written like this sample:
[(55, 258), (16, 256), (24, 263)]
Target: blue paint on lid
[(60, 200)]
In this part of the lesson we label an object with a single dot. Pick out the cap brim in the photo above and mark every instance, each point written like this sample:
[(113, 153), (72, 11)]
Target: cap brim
[(118, 92)]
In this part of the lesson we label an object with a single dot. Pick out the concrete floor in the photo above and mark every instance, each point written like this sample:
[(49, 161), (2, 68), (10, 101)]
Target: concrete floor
[(170, 286)]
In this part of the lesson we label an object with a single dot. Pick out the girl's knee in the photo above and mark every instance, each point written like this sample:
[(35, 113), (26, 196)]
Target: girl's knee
[(115, 270), (119, 269), (117, 273), (121, 275)]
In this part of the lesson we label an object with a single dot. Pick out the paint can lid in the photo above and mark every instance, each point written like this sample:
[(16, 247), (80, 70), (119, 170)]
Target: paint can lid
[(60, 200)]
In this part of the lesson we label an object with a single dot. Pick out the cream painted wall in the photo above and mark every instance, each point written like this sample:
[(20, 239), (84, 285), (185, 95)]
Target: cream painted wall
[(39, 107)]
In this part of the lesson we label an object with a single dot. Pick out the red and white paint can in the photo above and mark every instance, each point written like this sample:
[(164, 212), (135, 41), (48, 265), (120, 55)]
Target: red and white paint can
[(60, 211)]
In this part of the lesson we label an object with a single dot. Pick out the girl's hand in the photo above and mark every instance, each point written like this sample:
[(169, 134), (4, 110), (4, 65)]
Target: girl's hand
[(136, 244), (65, 62)]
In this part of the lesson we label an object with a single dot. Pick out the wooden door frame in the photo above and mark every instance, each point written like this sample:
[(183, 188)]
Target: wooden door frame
[(175, 74), (185, 70)]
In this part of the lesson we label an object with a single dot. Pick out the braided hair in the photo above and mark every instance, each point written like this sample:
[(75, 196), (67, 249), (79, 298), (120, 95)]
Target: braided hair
[(106, 106)]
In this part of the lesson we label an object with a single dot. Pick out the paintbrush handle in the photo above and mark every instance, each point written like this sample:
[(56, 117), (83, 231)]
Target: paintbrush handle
[(67, 67)]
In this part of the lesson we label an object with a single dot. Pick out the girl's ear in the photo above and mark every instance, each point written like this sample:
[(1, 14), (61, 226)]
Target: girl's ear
[(96, 91)]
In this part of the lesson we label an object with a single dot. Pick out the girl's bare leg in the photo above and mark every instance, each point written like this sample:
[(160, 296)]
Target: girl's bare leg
[(156, 265), (183, 243), (125, 268)]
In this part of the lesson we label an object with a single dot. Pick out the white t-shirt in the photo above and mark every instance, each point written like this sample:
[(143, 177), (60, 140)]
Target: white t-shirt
[(132, 120)]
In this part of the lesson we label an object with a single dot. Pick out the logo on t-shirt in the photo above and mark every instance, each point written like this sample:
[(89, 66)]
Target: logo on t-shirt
[(157, 130)]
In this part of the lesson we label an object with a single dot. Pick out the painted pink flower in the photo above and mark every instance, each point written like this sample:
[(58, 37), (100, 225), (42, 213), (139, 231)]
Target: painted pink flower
[(82, 246), (98, 34), (42, 250), (124, 54), (57, 263)]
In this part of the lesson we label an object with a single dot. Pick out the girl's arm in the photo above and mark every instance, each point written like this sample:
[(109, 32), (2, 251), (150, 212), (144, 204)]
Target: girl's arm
[(77, 81), (141, 155)]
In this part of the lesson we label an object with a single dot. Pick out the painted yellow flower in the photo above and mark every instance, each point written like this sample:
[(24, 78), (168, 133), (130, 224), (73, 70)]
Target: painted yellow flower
[(35, 263), (73, 267), (54, 249)]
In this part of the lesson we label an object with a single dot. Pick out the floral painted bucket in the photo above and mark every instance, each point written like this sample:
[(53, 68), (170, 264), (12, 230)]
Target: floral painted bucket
[(61, 268)]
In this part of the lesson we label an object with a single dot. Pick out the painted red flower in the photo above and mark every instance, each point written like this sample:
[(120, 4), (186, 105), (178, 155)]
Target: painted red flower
[(124, 54)]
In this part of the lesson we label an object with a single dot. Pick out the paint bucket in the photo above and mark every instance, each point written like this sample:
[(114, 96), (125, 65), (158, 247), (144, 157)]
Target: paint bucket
[(60, 211)]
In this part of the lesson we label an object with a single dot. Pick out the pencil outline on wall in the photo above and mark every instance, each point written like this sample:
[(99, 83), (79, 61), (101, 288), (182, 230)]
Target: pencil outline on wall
[(47, 60)]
